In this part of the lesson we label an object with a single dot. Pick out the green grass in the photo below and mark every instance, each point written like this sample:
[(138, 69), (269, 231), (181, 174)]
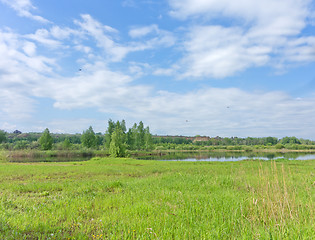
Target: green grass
[(132, 199)]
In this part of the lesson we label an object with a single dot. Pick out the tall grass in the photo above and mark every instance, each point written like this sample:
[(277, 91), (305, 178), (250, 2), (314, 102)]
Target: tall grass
[(131, 199), (2, 157), (277, 203)]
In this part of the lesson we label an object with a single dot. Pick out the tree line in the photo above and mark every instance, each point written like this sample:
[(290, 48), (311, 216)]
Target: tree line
[(116, 139), (233, 141)]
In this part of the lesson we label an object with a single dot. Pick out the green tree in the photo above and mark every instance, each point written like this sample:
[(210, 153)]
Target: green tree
[(130, 140), (271, 140), (117, 145), (137, 137), (290, 140), (112, 126), (140, 136), (46, 140), (99, 138), (3, 136), (122, 126), (88, 138), (109, 132), (66, 144), (148, 141), (132, 137)]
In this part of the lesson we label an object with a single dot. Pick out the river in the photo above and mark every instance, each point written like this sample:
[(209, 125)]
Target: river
[(229, 156)]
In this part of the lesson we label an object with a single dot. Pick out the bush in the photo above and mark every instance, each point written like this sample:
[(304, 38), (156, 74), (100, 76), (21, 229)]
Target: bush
[(279, 146), (248, 149), (234, 148), (159, 148), (23, 144)]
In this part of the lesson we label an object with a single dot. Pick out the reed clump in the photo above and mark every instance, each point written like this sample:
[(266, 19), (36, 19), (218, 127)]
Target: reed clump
[(273, 202), (2, 157)]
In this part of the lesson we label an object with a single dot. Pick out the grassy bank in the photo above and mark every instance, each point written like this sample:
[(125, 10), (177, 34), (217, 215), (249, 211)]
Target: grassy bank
[(131, 199)]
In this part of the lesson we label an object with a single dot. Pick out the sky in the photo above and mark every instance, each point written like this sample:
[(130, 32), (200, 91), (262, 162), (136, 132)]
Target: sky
[(184, 67)]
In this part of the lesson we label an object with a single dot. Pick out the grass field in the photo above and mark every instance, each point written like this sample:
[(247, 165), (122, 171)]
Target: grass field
[(107, 198)]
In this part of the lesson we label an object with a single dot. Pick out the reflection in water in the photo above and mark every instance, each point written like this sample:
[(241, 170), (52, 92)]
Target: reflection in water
[(228, 156), (49, 159), (183, 156)]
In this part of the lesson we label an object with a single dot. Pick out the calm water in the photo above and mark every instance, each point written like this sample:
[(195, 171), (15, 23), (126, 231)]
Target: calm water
[(48, 159), (179, 156), (228, 156)]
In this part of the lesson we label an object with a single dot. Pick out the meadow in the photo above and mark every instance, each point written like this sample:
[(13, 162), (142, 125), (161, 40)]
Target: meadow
[(107, 198)]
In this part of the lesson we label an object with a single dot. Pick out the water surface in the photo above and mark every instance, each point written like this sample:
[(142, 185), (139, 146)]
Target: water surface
[(229, 156), (184, 156)]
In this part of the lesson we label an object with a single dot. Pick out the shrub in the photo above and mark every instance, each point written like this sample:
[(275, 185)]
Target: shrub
[(279, 146)]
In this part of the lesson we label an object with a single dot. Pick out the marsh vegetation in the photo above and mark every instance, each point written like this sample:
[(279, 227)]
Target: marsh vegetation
[(107, 198), (52, 189)]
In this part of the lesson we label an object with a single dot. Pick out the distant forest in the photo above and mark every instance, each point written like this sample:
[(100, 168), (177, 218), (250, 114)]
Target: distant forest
[(117, 139)]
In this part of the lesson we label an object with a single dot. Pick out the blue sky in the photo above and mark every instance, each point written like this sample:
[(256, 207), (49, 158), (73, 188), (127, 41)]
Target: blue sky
[(184, 67)]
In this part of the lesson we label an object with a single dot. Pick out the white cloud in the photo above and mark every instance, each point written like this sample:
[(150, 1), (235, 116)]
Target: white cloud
[(228, 112), (82, 48), (215, 51), (15, 105), (18, 55), (219, 52), (138, 70), (164, 71), (128, 3), (43, 36), (23, 68), (96, 86), (29, 48), (115, 51), (101, 34), (260, 13), (8, 126), (67, 126), (255, 34), (210, 111), (143, 31), (24, 8), (61, 33), (20, 69), (300, 50)]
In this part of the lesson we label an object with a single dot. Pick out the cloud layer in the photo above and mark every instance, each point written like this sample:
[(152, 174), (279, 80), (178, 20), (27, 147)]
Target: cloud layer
[(24, 9), (253, 35), (93, 65)]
